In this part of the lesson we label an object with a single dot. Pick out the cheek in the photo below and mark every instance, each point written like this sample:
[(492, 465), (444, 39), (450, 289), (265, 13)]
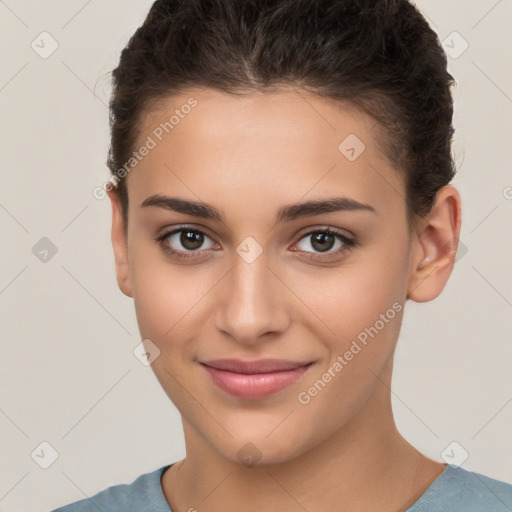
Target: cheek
[(158, 295), (351, 299), (170, 300)]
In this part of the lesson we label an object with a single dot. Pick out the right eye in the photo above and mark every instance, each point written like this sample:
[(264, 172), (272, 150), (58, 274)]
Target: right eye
[(191, 239)]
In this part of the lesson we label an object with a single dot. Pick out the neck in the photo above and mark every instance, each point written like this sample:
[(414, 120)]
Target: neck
[(365, 465)]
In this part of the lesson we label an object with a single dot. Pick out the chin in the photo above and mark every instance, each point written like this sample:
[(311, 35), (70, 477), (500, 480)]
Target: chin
[(252, 451)]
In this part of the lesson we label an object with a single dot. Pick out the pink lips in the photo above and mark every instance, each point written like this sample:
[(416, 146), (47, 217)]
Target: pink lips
[(254, 379)]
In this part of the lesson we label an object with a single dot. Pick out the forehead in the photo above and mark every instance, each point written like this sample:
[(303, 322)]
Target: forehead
[(282, 146)]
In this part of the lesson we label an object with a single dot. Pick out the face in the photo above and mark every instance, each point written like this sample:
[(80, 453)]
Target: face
[(319, 290)]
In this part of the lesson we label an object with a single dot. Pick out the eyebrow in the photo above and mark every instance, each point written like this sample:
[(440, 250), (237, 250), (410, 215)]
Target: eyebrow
[(285, 213)]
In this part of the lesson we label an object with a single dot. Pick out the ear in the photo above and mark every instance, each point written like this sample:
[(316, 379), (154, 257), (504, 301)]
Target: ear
[(120, 244), (435, 244)]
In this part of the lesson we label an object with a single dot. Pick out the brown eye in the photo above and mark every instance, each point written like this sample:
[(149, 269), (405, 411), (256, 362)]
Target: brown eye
[(322, 241), (191, 240), (185, 242)]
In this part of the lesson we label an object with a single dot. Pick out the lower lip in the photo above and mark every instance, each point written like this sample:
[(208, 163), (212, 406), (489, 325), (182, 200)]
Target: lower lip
[(256, 385)]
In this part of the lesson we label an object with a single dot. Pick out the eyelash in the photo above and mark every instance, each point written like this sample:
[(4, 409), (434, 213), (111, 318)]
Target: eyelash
[(348, 244)]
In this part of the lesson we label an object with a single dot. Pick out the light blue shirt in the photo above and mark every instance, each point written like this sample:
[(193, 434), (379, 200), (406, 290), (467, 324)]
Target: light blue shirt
[(454, 490)]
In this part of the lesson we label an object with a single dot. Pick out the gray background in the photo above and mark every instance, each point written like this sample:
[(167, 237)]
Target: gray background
[(68, 373)]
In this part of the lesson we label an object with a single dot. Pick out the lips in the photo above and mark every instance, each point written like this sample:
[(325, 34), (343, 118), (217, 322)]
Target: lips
[(254, 379), (251, 367)]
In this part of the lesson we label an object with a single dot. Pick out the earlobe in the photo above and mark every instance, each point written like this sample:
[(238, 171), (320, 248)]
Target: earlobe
[(119, 244), (435, 247)]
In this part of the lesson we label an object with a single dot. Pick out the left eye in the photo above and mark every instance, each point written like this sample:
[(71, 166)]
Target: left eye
[(323, 240)]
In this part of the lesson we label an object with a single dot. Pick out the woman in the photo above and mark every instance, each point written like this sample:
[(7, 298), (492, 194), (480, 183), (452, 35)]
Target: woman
[(280, 189)]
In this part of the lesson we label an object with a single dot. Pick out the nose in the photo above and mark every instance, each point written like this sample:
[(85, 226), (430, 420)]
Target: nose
[(252, 305)]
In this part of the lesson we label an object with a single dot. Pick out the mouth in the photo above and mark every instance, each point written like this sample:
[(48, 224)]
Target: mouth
[(254, 379)]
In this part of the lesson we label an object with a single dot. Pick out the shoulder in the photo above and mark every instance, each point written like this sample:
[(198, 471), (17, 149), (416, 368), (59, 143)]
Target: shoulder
[(460, 489), (144, 493)]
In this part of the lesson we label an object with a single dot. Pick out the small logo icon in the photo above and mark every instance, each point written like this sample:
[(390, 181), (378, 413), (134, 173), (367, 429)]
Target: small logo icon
[(44, 250), (455, 45), (249, 249), (44, 45), (146, 352), (454, 454), (249, 454), (351, 147), (462, 249), (44, 454)]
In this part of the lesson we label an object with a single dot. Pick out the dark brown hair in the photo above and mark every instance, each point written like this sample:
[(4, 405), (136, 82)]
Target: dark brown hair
[(379, 56)]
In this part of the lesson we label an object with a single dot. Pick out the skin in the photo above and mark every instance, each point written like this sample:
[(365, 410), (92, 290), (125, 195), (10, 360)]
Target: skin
[(248, 156)]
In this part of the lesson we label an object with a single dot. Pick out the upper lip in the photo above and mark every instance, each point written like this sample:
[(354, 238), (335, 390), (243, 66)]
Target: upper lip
[(250, 367)]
